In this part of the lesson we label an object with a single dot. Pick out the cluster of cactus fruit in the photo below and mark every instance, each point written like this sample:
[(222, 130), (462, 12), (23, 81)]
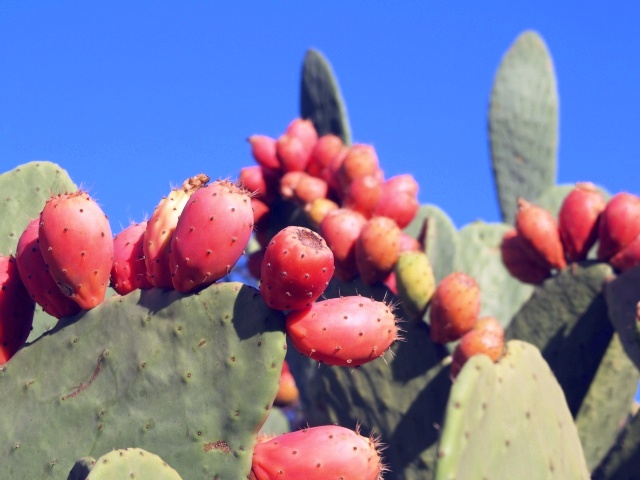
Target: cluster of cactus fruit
[(506, 359)]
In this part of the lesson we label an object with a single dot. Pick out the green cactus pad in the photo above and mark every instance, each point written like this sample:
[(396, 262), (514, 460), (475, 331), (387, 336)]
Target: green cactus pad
[(132, 463), (565, 318), (509, 420), (320, 97), (607, 403), (191, 377), (523, 123), (502, 295), (623, 460)]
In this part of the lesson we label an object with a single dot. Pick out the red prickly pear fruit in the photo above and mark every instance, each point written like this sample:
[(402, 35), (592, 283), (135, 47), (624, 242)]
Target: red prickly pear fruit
[(619, 224), (288, 184), (359, 161), (455, 307), (36, 277), (391, 282), (628, 257), (363, 194), (485, 338), (344, 331), (260, 183), (296, 269), (254, 263), (340, 229), (16, 309), (317, 453), (402, 183), (211, 235), (327, 147), (77, 246), (377, 249), (330, 174), (310, 188), (160, 228), (540, 235), (400, 206), (518, 262), (292, 154), (288, 392), (408, 243), (129, 272), (318, 209), (305, 131), (261, 210), (578, 220), (263, 149)]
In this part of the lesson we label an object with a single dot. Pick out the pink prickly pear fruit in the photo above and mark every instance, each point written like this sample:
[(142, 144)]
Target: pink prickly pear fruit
[(330, 174), (402, 183), (36, 278), (455, 307), (211, 235), (305, 131), (316, 210), (129, 271), (263, 149), (259, 182), (327, 147), (16, 309), (391, 282), (288, 392), (539, 234), (628, 257), (310, 188), (485, 338), (296, 269), (408, 243), (254, 263), (160, 228), (359, 161), (619, 224), (377, 249), (288, 184), (343, 331), (363, 194), (400, 206), (518, 262), (77, 246), (578, 220), (261, 210), (292, 154), (341, 228), (317, 453)]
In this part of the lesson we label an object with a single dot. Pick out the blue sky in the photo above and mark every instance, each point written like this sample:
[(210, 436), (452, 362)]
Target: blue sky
[(133, 97)]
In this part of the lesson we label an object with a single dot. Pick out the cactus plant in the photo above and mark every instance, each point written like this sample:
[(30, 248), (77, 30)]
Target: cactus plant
[(131, 463)]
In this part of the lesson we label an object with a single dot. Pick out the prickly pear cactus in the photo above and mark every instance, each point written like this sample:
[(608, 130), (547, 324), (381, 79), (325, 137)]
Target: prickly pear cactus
[(128, 463), (190, 377), (508, 418), (623, 460), (320, 97), (523, 123)]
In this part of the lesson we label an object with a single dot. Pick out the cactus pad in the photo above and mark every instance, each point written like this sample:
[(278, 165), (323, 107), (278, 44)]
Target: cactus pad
[(131, 463)]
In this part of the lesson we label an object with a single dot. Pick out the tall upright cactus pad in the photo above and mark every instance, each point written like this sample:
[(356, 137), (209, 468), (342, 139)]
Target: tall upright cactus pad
[(131, 463), (189, 377), (509, 420), (566, 318), (320, 97), (623, 460), (25, 190), (523, 123)]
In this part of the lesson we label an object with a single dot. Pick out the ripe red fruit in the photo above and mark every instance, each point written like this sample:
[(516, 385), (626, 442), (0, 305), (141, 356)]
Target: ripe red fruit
[(304, 130), (292, 154), (129, 271), (327, 147), (363, 194), (260, 182), (540, 236), (296, 269), (578, 220), (628, 257), (77, 246), (485, 338), (341, 228), (455, 307), (263, 149), (317, 453), (359, 161), (518, 262), (36, 277), (377, 249), (344, 331), (619, 224), (211, 235), (288, 390), (16, 309)]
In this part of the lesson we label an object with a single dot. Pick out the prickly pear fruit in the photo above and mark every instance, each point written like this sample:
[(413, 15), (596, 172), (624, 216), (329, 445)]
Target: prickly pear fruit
[(341, 228), (619, 224), (129, 271), (260, 182), (377, 249), (160, 227), (287, 391), (628, 257), (296, 269), (77, 246), (402, 183), (263, 149), (327, 147), (305, 131), (363, 194), (408, 243), (540, 236), (455, 307), (211, 235), (36, 278), (391, 282), (343, 331), (359, 161), (16, 309), (485, 338), (302, 187), (518, 262), (317, 453), (578, 220), (292, 154), (415, 282), (318, 209), (398, 200)]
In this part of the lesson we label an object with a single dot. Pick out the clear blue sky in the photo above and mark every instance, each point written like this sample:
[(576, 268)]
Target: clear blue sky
[(132, 97)]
